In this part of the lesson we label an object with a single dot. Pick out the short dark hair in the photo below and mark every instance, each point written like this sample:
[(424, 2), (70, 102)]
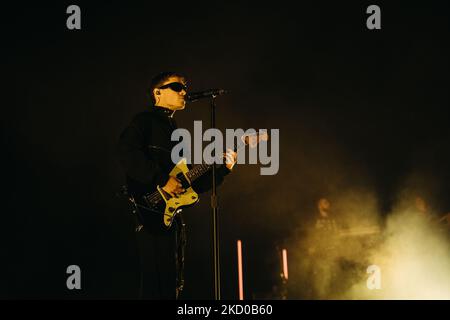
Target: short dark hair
[(159, 79)]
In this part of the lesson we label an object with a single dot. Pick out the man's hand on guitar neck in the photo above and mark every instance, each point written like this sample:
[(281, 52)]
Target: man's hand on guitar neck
[(230, 159), (173, 186)]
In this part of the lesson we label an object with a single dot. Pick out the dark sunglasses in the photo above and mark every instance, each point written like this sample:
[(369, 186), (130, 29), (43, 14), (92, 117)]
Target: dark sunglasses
[(175, 86)]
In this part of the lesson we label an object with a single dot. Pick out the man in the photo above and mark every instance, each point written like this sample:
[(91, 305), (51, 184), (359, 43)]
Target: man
[(325, 222), (422, 209), (145, 153), (322, 244)]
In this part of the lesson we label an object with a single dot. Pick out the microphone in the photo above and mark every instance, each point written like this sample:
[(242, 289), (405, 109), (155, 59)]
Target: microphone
[(194, 96)]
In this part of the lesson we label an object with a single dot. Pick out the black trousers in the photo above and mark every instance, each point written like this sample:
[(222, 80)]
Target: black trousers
[(161, 256)]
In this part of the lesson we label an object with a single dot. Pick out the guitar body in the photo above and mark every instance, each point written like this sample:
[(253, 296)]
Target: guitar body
[(173, 204)]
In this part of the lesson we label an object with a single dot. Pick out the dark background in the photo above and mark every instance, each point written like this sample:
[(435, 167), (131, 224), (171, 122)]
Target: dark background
[(356, 108)]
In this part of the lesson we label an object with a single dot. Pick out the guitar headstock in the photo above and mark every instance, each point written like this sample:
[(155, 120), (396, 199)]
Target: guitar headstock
[(252, 140)]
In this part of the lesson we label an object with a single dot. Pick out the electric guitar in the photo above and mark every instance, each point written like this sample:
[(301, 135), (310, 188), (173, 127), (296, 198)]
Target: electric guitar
[(161, 202)]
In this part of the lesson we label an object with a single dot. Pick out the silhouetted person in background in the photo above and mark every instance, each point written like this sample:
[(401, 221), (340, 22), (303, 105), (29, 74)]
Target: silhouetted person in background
[(421, 207), (325, 221), (322, 239), (423, 210)]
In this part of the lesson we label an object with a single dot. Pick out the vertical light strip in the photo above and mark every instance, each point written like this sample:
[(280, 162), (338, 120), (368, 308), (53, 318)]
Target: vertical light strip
[(241, 282), (285, 265)]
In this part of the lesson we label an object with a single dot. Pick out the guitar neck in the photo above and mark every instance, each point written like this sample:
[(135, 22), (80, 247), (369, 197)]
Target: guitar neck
[(200, 169)]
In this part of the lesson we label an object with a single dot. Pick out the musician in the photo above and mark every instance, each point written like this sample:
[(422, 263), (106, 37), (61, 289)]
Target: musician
[(445, 220), (324, 245), (421, 207), (145, 153), (422, 210), (325, 221)]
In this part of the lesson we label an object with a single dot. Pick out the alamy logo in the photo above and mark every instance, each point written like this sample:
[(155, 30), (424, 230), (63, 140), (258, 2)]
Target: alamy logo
[(74, 280), (74, 20), (234, 139), (374, 20)]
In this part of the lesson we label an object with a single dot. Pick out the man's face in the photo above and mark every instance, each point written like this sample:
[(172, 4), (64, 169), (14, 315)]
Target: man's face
[(169, 97), (421, 205), (324, 204)]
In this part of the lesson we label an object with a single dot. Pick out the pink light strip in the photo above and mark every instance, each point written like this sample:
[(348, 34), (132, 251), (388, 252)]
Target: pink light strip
[(241, 282), (285, 265)]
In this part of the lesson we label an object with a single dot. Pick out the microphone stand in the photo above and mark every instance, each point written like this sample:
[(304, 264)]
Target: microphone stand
[(215, 217)]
